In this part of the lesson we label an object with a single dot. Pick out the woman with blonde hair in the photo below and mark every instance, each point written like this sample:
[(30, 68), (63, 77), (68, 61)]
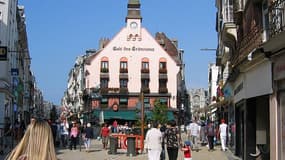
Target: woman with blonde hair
[(36, 144)]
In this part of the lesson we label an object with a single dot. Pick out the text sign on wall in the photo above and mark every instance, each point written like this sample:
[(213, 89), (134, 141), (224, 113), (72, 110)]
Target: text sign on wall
[(133, 49)]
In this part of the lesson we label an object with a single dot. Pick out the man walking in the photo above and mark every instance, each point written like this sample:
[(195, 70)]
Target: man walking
[(193, 133), (223, 134), (105, 133), (210, 135), (64, 126), (153, 142)]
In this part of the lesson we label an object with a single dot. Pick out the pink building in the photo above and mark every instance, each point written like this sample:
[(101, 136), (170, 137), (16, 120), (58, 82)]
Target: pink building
[(134, 62)]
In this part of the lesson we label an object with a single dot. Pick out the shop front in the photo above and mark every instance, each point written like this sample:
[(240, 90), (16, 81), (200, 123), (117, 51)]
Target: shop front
[(278, 109), (251, 91)]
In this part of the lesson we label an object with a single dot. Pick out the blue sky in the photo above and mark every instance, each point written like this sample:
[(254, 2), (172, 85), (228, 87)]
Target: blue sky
[(61, 30)]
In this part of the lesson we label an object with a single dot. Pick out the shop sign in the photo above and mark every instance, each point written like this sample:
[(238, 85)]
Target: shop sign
[(133, 49), (227, 90), (14, 71), (3, 53), (238, 88)]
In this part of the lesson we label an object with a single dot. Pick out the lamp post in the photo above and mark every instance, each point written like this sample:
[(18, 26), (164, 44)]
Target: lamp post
[(142, 120)]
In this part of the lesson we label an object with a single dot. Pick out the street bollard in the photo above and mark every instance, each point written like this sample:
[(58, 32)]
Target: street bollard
[(113, 145), (131, 146)]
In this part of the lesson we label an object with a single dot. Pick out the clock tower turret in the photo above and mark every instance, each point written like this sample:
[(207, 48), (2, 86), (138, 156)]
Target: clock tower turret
[(134, 11), (134, 19)]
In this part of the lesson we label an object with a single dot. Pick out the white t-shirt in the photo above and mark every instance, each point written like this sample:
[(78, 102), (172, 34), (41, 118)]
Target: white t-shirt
[(223, 129), (64, 128), (153, 139), (194, 129)]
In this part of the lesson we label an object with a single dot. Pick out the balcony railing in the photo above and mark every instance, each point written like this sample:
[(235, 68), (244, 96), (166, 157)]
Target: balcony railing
[(123, 70), (162, 70), (145, 89), (277, 17), (144, 70), (124, 90), (104, 70), (104, 90), (163, 90)]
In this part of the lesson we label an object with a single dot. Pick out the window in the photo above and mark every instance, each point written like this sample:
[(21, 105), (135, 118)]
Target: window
[(146, 103), (162, 65), (104, 101), (145, 65), (145, 83), (123, 65), (162, 83), (163, 101), (104, 64), (104, 83), (123, 101), (123, 83)]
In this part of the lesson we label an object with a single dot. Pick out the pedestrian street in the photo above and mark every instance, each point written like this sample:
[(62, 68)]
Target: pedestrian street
[(97, 152)]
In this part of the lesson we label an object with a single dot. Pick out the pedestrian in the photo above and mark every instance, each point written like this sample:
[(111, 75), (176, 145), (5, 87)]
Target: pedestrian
[(115, 126), (172, 141), (64, 126), (153, 142), (87, 135), (162, 130), (74, 132), (36, 144), (187, 150), (203, 137), (223, 127), (210, 131), (194, 133), (105, 133), (17, 130)]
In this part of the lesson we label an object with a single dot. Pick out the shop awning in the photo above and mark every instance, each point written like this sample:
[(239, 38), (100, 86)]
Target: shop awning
[(120, 114), (127, 114)]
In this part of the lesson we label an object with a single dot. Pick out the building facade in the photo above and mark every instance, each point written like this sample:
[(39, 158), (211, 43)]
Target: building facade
[(132, 65), (213, 75), (198, 103), (17, 82), (251, 47)]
